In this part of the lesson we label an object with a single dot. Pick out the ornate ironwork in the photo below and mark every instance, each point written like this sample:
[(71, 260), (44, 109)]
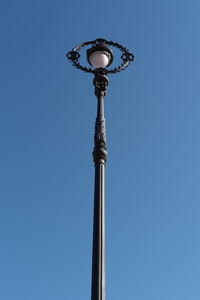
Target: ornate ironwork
[(126, 57), (99, 153)]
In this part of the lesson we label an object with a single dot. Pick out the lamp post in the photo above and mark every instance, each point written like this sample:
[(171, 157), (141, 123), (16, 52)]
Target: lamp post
[(100, 57)]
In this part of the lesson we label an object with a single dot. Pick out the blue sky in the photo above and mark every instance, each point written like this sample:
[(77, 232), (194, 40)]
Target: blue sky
[(153, 171)]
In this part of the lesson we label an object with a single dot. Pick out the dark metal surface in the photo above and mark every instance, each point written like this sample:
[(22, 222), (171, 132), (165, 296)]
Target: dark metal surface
[(99, 153), (126, 56), (99, 157)]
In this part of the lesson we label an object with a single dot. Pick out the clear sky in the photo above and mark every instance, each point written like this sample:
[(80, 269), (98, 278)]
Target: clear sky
[(47, 116)]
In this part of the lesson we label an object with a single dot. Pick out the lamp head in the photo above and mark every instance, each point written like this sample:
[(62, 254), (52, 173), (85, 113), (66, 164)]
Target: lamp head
[(99, 56)]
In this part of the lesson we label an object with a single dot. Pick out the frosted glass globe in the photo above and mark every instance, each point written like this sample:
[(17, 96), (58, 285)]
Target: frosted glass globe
[(99, 59)]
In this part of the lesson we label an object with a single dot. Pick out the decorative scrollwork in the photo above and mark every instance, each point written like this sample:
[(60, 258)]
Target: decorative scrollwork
[(100, 131), (73, 55), (126, 57), (99, 41), (100, 83), (100, 153)]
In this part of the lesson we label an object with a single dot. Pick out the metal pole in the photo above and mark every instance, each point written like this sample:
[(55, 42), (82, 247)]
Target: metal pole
[(99, 157), (99, 46)]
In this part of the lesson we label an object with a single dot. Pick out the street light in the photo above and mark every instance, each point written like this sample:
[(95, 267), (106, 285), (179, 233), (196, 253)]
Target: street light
[(99, 56)]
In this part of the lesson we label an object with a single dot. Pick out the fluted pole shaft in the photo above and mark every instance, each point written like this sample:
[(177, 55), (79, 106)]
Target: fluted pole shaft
[(99, 157)]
